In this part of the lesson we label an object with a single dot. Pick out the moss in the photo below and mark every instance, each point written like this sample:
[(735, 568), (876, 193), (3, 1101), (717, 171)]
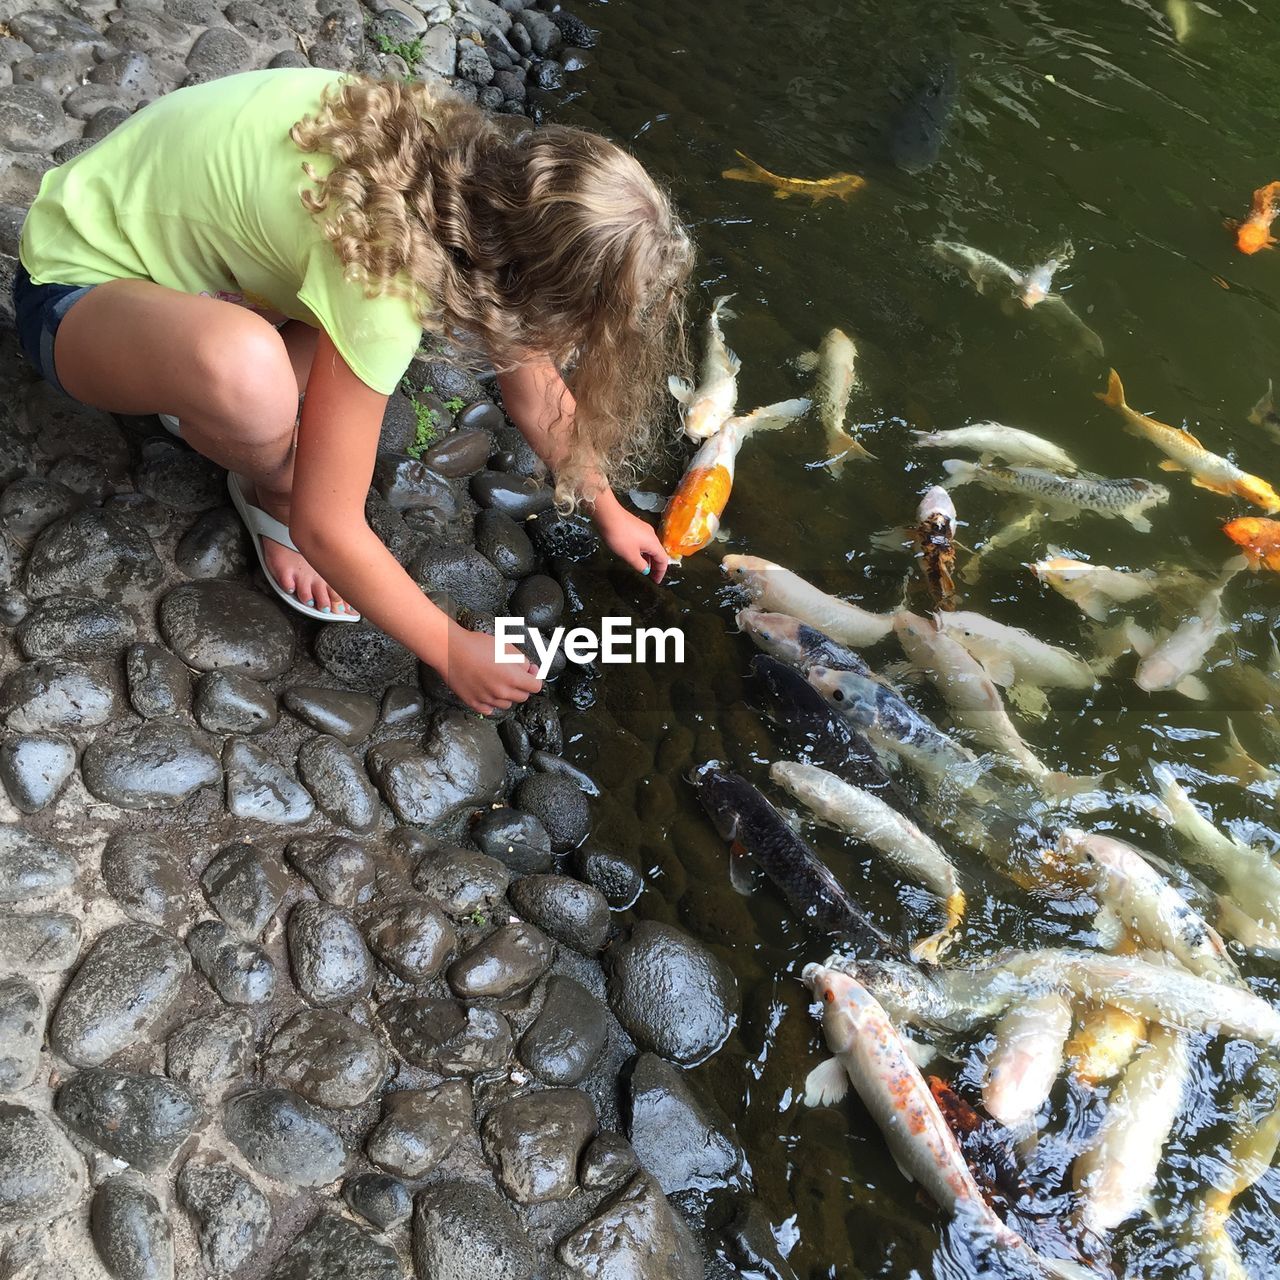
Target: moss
[(426, 427), (454, 404), (409, 50)]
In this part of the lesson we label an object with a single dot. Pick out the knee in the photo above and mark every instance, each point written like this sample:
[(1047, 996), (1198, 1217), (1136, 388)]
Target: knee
[(245, 381)]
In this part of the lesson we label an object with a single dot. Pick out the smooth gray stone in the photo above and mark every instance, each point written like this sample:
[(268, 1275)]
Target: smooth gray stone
[(567, 1036), (58, 694), (461, 576), (233, 1218), (420, 1128), (360, 655), (565, 909), (342, 714), (245, 887), (216, 53), (31, 119), (466, 1231), (159, 683), (141, 1119), (209, 1054), (327, 1059), (69, 627), (42, 1176), (34, 768), (258, 787), (340, 870), (240, 972), (410, 485), (38, 943), (339, 784), (505, 545), (146, 877), (462, 881), (518, 840), (608, 1162), (227, 702), (180, 478), (223, 626), (460, 453), (539, 600), (516, 496), (330, 963), (131, 1231), (216, 546), (285, 1137), (32, 867), (511, 959), (440, 1036), (535, 1142), (413, 939), (93, 553), (157, 765), (445, 379), (32, 503), (22, 1022), (379, 1198), (333, 1248), (401, 704)]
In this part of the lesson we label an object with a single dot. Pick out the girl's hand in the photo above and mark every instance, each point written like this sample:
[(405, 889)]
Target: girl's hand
[(483, 683), (631, 539)]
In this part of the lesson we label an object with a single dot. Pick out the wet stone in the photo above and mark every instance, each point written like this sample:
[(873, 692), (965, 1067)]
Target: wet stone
[(333, 1248), (32, 503), (331, 965), (671, 994), (155, 766), (159, 684), (245, 887), (545, 762), (402, 704), (239, 971), (408, 484), (31, 119), (216, 546), (608, 1162), (339, 869), (413, 939), (42, 1176), (511, 959), (573, 30), (327, 1059), (349, 717), (14, 606), (93, 552), (138, 1118), (518, 840), (420, 1128), (216, 53), (611, 873), (363, 657), (504, 544), (67, 627), (22, 1020), (559, 805), (542, 721), (131, 1231), (516, 496), (146, 877), (544, 35), (55, 695), (223, 626), (182, 479), (440, 1036), (535, 1143), (462, 881), (567, 1036), (259, 788), (378, 1198), (230, 703), (515, 737), (211, 1053), (32, 867), (446, 379), (463, 576), (466, 1231), (561, 537), (565, 909), (46, 30), (129, 983), (285, 1137), (38, 943), (461, 453), (338, 784), (233, 1218)]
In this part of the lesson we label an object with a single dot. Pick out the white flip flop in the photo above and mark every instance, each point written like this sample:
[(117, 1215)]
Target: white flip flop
[(261, 525), (170, 424)]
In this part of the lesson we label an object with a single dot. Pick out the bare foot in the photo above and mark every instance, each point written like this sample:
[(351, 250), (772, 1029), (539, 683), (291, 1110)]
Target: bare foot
[(291, 571)]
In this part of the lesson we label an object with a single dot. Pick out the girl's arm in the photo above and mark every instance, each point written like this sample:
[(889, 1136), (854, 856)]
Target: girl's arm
[(538, 402), (337, 446)]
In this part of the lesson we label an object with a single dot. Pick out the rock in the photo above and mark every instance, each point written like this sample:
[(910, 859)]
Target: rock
[(180, 478), (461, 575), (140, 1119), (681, 1140), (211, 1053), (159, 684), (413, 939), (461, 881), (96, 553), (338, 784), (535, 1141), (32, 503), (462, 765), (559, 805), (361, 656), (608, 1162), (561, 537), (233, 1218), (459, 454), (129, 983), (340, 870), (146, 878), (349, 717), (573, 31), (330, 963), (216, 546), (545, 762), (548, 74), (504, 544), (401, 704), (46, 30), (67, 627), (515, 737), (474, 64), (611, 873), (285, 1137), (131, 1231), (673, 995), (636, 1236), (259, 788), (511, 959), (216, 53), (565, 909), (465, 1231), (568, 1034), (408, 484), (440, 1036), (155, 766), (544, 35), (34, 943), (35, 768), (32, 867), (42, 1175), (518, 840), (328, 1059), (31, 119), (245, 887), (516, 496), (55, 695), (540, 717), (222, 626), (333, 1248), (420, 1128), (382, 1200), (230, 703), (22, 1020), (445, 379), (240, 972)]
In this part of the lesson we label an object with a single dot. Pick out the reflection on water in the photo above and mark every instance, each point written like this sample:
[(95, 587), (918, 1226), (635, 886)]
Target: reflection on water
[(1130, 131)]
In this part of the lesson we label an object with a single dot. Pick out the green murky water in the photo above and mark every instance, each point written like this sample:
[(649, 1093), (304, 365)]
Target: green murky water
[(1079, 120)]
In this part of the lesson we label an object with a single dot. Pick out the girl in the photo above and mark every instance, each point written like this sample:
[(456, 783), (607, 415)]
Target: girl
[(239, 243)]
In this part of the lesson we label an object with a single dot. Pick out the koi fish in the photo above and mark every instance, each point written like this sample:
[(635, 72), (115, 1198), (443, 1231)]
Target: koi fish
[(839, 186), (1258, 539), (1093, 588), (709, 405), (991, 440), (1185, 453), (1254, 232), (692, 516), (833, 385), (1263, 414), (1104, 1041), (1026, 1060), (935, 531)]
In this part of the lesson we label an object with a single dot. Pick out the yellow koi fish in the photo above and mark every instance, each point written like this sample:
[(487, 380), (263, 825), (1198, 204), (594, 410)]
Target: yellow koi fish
[(840, 186)]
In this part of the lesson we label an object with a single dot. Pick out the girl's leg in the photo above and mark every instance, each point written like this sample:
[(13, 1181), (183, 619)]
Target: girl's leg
[(130, 346)]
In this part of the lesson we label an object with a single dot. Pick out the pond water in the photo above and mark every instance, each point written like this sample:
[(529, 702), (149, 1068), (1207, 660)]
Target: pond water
[(1080, 121)]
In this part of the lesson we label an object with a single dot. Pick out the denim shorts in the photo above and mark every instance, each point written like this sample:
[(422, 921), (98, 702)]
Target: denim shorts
[(38, 310)]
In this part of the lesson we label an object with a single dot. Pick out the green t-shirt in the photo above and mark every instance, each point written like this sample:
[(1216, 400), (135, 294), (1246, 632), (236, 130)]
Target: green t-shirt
[(200, 191)]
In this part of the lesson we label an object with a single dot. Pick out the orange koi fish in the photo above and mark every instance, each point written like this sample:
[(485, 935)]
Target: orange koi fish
[(840, 186), (1254, 232), (1259, 539), (692, 516)]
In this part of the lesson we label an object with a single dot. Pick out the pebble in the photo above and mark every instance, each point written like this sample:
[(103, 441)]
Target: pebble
[(539, 600), (462, 881), (259, 788), (518, 840), (331, 965), (36, 943), (327, 1059), (233, 1218), (129, 983), (466, 1231), (145, 876), (563, 537), (140, 1119), (608, 1162), (544, 35), (349, 717), (245, 887), (96, 553), (338, 783), (159, 683), (216, 546), (22, 1022), (339, 869), (56, 695), (440, 1036), (611, 873), (209, 1054), (227, 702), (379, 1198), (461, 576), (131, 1231), (420, 1128), (542, 721), (67, 627), (446, 379), (333, 1248), (535, 1142), (157, 765), (548, 74), (285, 1137), (461, 453), (545, 762), (223, 626), (413, 939), (42, 1176), (509, 960), (515, 737), (31, 119), (504, 544), (409, 484), (240, 972), (565, 909), (559, 805), (362, 657), (567, 1036), (180, 478), (216, 53), (671, 994), (31, 503), (32, 867), (516, 496), (401, 704)]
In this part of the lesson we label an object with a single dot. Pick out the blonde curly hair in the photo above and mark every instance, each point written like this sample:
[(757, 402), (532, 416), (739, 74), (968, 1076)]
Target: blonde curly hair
[(527, 242)]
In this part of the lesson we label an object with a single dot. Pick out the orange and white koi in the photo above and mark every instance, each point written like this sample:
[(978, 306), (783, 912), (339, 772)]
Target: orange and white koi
[(1258, 540), (840, 186), (692, 515), (1254, 232)]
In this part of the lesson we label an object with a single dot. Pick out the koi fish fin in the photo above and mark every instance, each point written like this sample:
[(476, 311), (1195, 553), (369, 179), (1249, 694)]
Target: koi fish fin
[(1029, 699), (1109, 928), (1066, 786), (750, 171), (1000, 668), (1192, 687), (930, 950), (722, 532), (1113, 642), (848, 447), (1239, 764), (1265, 410), (1113, 396), (921, 1054), (826, 1084), (772, 417), (807, 361), (741, 870), (681, 389), (1141, 641), (1169, 465), (960, 471), (647, 501), (898, 539), (720, 307), (1140, 523)]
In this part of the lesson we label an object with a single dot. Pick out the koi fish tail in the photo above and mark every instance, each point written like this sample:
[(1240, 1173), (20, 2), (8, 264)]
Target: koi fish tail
[(930, 950), (1113, 396), (753, 172), (1065, 786), (773, 417), (843, 446)]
